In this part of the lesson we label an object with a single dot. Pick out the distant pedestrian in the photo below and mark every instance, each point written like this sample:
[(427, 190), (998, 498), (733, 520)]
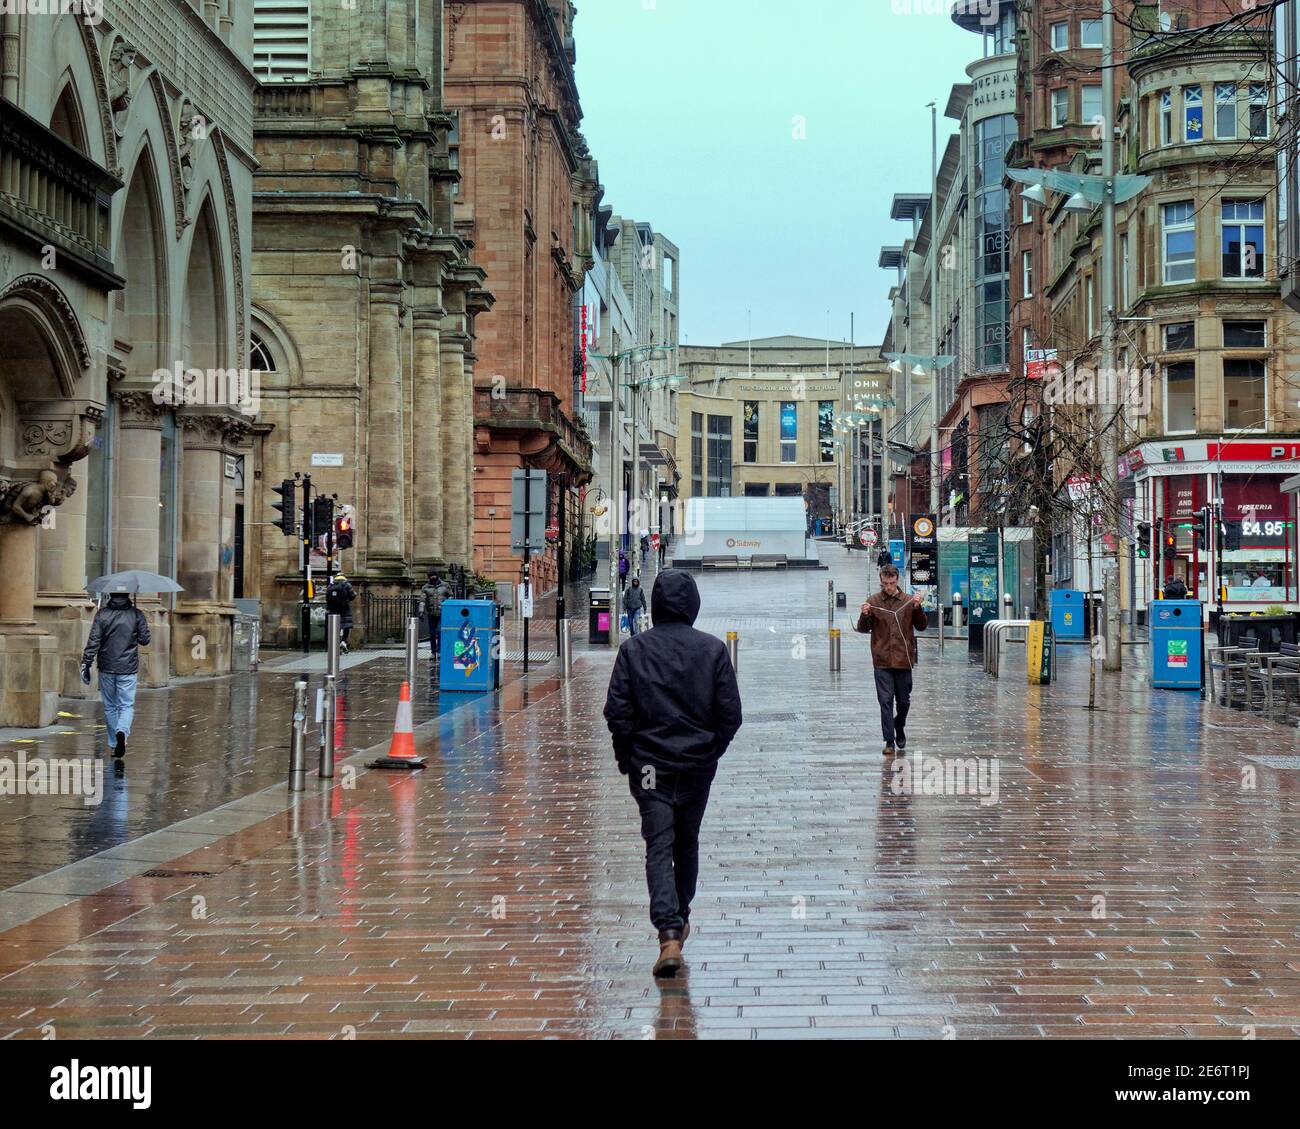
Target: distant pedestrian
[(890, 617), (663, 549), (673, 708), (622, 569), (645, 544), (1176, 589), (338, 601), (118, 632), (884, 560), (433, 594), (634, 605)]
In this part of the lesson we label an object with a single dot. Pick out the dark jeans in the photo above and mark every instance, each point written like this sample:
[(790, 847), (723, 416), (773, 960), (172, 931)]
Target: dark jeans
[(435, 640), (671, 813), (894, 691)]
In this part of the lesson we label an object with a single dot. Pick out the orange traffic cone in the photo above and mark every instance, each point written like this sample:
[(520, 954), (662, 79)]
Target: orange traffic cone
[(401, 750)]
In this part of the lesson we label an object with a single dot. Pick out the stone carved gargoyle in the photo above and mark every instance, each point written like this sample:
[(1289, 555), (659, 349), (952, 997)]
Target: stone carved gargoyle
[(23, 503)]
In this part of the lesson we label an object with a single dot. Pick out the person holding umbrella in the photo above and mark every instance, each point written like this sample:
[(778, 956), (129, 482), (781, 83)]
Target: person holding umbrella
[(118, 632)]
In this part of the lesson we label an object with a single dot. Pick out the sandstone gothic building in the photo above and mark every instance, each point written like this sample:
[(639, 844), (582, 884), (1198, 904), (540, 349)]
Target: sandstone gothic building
[(365, 297), (126, 156)]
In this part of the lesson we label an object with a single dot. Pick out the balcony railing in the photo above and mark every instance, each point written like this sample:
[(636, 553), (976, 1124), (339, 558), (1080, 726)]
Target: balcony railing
[(56, 196), (532, 409)]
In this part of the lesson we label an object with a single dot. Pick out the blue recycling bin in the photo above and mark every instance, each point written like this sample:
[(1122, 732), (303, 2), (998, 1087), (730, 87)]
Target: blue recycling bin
[(1069, 615), (1176, 644), (468, 659)]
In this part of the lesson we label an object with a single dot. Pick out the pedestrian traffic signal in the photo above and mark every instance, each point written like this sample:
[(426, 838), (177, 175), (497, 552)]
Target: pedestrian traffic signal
[(287, 491), (1231, 536), (343, 532)]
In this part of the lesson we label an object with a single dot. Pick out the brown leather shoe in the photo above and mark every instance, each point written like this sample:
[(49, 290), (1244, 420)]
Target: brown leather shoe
[(670, 954), (887, 751)]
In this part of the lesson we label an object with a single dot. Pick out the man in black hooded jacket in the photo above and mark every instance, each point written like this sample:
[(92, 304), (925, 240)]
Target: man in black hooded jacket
[(673, 708)]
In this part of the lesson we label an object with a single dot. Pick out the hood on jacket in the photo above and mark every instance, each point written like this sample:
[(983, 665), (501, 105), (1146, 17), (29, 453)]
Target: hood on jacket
[(676, 599), (119, 600)]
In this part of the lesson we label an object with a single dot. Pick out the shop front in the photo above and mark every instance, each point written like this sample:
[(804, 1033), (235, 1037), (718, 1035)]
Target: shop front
[(1256, 558)]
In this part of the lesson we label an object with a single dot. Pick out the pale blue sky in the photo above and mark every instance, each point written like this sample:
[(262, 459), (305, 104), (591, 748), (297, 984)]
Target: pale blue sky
[(689, 109)]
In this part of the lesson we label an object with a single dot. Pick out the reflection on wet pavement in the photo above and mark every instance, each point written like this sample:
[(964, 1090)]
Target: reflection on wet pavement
[(1124, 877)]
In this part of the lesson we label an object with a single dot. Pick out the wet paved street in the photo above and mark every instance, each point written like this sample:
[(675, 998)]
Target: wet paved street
[(1129, 872)]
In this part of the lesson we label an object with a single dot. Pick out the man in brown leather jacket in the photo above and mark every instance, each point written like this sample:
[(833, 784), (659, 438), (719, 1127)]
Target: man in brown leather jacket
[(891, 617)]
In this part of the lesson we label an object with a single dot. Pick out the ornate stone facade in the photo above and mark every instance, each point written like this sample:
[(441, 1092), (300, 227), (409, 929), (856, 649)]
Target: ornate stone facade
[(125, 201), (365, 302)]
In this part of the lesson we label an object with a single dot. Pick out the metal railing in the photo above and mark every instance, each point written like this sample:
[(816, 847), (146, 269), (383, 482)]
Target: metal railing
[(386, 618)]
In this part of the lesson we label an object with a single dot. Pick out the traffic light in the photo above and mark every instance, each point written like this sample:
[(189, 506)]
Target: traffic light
[(322, 515), (343, 532), (1201, 526), (1231, 536), (1144, 540), (1171, 545), (287, 491)]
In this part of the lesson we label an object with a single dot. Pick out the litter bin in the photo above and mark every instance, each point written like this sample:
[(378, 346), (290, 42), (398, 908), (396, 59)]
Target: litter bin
[(247, 639), (468, 659), (1069, 615), (1176, 643), (600, 624)]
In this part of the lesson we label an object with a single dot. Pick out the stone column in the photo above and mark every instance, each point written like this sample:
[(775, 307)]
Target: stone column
[(135, 516), (428, 443), (139, 483), (457, 440), (386, 477)]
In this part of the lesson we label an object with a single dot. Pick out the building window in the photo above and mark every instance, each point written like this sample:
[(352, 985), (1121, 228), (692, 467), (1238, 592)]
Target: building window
[(1092, 306), (1180, 397), (1027, 274), (757, 489), (282, 40), (826, 430), (719, 456), (751, 431), (789, 489), (1060, 106), (1166, 117), (1061, 36), (697, 455), (1193, 114), (1026, 209), (1225, 111), (259, 356), (1244, 335), (1244, 407), (1091, 103), (789, 431), (670, 277), (992, 267), (1090, 33), (1180, 335), (1179, 226), (1243, 238), (1258, 109)]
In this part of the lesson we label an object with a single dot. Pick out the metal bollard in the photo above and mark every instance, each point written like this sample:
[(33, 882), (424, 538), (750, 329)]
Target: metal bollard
[(733, 649), (956, 613), (1008, 606), (412, 649), (564, 643), (298, 739), (830, 603), (333, 635), (835, 648), (327, 744)]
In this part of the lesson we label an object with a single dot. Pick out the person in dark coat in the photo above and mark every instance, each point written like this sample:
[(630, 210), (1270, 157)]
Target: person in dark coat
[(634, 605), (673, 708), (118, 632), (622, 569), (1176, 589), (338, 601), (433, 594), (883, 559)]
